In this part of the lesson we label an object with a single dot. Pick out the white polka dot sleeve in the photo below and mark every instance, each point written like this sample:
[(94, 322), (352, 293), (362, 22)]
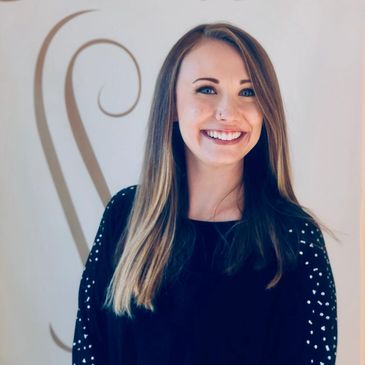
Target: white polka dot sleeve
[(320, 298), (85, 345), (88, 344)]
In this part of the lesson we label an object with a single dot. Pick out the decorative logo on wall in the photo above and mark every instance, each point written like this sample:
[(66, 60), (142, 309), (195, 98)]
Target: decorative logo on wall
[(80, 136)]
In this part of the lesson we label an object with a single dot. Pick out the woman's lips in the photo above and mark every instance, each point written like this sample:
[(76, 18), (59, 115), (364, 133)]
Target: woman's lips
[(221, 141), (224, 135)]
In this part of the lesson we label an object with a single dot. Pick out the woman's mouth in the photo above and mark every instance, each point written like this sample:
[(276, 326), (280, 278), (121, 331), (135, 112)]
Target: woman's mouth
[(222, 137), (225, 136)]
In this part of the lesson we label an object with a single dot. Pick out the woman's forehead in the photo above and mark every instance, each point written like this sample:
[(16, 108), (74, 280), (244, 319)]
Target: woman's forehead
[(213, 57)]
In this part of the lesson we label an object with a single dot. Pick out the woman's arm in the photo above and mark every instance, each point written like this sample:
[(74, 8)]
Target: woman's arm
[(305, 330), (320, 298), (89, 338)]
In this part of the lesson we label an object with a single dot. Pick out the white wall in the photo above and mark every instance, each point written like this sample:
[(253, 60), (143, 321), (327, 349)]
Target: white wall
[(316, 47)]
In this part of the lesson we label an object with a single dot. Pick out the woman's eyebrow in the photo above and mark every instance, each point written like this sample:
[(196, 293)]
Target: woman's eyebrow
[(217, 81)]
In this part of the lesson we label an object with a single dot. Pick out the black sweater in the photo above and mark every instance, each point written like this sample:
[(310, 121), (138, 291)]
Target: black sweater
[(207, 318)]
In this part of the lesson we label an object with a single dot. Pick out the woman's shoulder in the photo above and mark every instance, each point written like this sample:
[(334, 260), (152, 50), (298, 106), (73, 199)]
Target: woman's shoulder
[(120, 204), (310, 245), (115, 218), (306, 232), (124, 195)]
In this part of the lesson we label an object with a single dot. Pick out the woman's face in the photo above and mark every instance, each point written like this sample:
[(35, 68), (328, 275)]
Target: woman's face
[(217, 110)]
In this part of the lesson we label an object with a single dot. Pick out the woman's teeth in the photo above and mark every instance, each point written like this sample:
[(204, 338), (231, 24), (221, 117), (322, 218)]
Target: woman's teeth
[(225, 136)]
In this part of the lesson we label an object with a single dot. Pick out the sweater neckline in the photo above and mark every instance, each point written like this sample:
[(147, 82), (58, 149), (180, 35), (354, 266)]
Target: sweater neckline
[(197, 221)]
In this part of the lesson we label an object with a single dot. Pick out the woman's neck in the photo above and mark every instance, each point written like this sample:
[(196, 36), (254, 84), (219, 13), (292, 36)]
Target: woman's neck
[(215, 194)]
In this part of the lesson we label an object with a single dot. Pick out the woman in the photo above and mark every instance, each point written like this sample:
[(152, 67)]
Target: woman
[(210, 259)]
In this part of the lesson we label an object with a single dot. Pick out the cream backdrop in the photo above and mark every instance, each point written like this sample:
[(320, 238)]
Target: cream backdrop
[(76, 80)]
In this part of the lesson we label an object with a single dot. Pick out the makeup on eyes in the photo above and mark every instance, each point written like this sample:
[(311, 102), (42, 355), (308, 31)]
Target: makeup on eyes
[(201, 88)]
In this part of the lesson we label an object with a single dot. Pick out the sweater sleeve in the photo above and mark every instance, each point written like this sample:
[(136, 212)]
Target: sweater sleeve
[(319, 296), (88, 345)]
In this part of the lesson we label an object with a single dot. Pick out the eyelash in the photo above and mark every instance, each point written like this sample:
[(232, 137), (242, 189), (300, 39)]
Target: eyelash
[(200, 90)]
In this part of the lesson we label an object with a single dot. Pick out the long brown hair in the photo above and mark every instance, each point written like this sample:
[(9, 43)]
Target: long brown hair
[(156, 241)]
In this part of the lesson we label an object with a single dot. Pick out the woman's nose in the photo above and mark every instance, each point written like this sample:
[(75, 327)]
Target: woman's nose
[(226, 109)]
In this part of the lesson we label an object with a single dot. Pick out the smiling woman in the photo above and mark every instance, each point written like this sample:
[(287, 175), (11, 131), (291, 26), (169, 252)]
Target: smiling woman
[(210, 259)]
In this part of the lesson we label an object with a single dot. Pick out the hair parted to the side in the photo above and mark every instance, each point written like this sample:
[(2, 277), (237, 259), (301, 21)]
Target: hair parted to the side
[(161, 203)]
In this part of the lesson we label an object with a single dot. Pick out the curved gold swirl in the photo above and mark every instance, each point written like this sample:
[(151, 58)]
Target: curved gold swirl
[(57, 341), (80, 136), (130, 54), (77, 126), (51, 154), (48, 146)]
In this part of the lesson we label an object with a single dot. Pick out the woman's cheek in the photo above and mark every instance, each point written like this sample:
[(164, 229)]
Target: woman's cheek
[(195, 111), (202, 109), (253, 113)]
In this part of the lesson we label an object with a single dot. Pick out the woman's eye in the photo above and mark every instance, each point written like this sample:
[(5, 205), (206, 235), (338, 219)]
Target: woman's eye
[(206, 90), (210, 90), (247, 92)]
